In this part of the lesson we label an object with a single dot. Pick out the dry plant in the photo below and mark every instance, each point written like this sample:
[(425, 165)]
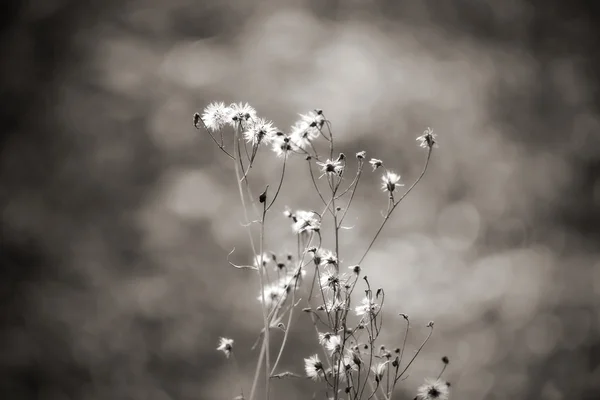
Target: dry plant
[(349, 362)]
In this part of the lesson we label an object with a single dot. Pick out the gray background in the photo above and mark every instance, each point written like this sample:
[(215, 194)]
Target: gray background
[(117, 216)]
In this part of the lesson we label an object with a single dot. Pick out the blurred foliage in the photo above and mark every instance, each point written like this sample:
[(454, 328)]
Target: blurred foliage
[(117, 216)]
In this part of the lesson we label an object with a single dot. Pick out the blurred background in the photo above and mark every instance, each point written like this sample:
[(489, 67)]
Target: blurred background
[(117, 215)]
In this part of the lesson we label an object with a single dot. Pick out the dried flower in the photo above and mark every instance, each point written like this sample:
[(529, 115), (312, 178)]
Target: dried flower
[(306, 221), (390, 182), (334, 344), (273, 294), (259, 131), (263, 260), (330, 279), (361, 155), (241, 115), (427, 139), (324, 337), (433, 389), (328, 258), (334, 305), (366, 306), (215, 116), (282, 145), (226, 346), (331, 167), (376, 163), (314, 119), (379, 370), (313, 367)]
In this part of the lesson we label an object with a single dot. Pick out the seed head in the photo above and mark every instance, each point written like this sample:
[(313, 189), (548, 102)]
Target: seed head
[(433, 389), (427, 139), (226, 346), (215, 116), (390, 182), (376, 163)]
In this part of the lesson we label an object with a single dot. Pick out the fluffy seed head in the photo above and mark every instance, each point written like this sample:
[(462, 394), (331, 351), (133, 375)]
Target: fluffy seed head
[(427, 139), (226, 346), (376, 163), (313, 367), (260, 131), (241, 115), (433, 389), (215, 116), (391, 181)]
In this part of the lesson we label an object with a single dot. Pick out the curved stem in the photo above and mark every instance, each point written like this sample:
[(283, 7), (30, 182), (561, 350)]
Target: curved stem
[(280, 183), (395, 204)]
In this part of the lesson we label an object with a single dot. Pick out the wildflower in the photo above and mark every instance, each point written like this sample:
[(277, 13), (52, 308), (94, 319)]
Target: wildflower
[(302, 134), (241, 115), (334, 305), (334, 344), (306, 221), (331, 167), (328, 258), (355, 269), (376, 163), (390, 182), (379, 370), (282, 145), (215, 116), (314, 119), (259, 131), (433, 389), (324, 338), (330, 279), (427, 139), (273, 294), (261, 260), (226, 346), (288, 213), (366, 306), (339, 369), (354, 355), (313, 367)]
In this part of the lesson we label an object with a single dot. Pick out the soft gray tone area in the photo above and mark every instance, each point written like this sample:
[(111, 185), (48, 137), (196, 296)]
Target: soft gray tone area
[(117, 215)]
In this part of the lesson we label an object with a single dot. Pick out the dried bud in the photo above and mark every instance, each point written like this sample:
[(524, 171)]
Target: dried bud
[(196, 120), (404, 316), (263, 196), (361, 155), (430, 324), (445, 360), (307, 309)]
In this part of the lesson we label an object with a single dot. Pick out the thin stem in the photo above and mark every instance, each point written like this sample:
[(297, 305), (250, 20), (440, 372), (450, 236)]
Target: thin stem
[(416, 354), (395, 204), (219, 145), (280, 183), (287, 328), (265, 316), (260, 269)]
